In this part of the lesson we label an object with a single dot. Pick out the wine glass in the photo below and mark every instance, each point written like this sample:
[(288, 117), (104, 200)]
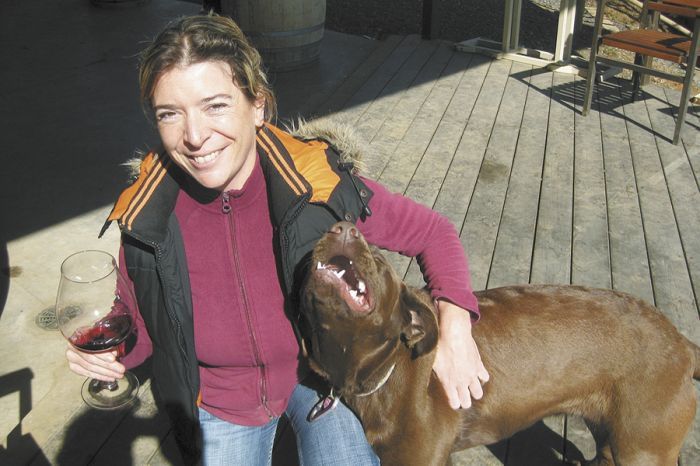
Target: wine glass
[(93, 310)]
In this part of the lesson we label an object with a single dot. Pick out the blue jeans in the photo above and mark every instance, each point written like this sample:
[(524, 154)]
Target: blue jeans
[(334, 439)]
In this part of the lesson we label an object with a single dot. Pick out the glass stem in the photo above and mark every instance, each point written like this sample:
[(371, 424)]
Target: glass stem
[(102, 385)]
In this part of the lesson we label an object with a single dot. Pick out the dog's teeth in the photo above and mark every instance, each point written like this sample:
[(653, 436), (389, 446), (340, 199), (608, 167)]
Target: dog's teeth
[(340, 273), (353, 293), (361, 286), (319, 266)]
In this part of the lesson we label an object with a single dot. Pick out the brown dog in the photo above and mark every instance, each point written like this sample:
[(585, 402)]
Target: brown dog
[(603, 355)]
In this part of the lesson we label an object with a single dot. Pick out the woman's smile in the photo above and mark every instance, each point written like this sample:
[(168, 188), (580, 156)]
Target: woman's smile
[(203, 161)]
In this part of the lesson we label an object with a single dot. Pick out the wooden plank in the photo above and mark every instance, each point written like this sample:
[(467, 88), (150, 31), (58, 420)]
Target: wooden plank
[(443, 146), (139, 435), (300, 91), (486, 204), (416, 118), (399, 117), (471, 151), (512, 256), (323, 105), (685, 193), (456, 189), (478, 84), (400, 168), (167, 454), (405, 79), (82, 436), (362, 99), (26, 443), (628, 254), (669, 254), (427, 182), (394, 129), (551, 259), (673, 290), (692, 147), (590, 256)]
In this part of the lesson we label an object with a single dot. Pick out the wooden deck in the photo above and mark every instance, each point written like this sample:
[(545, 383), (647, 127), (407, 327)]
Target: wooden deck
[(538, 193)]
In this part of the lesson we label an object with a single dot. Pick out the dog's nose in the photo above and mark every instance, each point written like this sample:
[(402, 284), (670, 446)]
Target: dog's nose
[(345, 229)]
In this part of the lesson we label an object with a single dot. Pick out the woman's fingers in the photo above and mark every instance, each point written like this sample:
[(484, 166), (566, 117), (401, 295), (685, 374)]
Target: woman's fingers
[(101, 366)]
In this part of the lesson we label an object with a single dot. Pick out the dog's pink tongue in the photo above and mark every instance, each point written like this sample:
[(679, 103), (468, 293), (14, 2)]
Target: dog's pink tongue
[(343, 263)]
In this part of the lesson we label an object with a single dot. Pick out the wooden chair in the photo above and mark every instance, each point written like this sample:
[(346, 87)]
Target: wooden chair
[(648, 42)]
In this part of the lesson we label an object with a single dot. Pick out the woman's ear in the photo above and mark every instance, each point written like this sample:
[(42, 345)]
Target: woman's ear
[(259, 111)]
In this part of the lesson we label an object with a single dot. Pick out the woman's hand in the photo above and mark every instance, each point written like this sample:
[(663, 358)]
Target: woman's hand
[(457, 362), (101, 366)]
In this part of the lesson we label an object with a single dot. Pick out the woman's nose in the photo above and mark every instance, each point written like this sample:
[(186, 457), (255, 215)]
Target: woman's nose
[(196, 131)]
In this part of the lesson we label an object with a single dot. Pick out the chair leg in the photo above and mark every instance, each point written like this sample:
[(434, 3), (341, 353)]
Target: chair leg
[(683, 106), (687, 83), (647, 62), (640, 80), (636, 77), (590, 82), (590, 79)]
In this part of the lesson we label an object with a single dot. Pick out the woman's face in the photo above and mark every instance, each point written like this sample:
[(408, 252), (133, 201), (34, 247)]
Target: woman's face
[(207, 124)]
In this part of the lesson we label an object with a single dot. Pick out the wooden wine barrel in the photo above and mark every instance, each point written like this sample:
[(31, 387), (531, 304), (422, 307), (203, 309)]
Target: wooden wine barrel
[(287, 33)]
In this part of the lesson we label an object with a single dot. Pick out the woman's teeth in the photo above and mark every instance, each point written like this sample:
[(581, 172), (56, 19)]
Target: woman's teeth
[(206, 158)]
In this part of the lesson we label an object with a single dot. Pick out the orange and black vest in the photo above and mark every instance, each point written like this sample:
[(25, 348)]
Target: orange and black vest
[(310, 187)]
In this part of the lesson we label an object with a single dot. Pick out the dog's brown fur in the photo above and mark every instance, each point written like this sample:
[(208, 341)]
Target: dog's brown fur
[(600, 354)]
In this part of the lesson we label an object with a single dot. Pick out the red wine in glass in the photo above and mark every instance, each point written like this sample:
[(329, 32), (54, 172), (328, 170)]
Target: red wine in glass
[(94, 309), (104, 335)]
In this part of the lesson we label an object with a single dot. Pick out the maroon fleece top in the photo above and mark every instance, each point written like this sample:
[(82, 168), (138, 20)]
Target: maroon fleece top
[(245, 345)]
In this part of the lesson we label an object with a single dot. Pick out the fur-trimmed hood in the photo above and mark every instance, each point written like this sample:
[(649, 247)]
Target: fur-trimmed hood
[(341, 136)]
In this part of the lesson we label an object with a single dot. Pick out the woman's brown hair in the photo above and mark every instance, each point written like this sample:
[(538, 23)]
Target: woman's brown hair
[(197, 39)]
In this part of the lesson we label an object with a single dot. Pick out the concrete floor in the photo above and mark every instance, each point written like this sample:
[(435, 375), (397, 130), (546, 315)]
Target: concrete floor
[(70, 116)]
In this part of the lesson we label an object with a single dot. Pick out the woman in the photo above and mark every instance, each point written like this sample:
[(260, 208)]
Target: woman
[(213, 234)]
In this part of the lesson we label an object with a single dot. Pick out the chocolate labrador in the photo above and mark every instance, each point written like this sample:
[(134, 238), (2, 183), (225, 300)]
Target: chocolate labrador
[(600, 354)]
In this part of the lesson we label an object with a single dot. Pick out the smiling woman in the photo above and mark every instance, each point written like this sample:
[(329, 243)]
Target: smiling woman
[(216, 230)]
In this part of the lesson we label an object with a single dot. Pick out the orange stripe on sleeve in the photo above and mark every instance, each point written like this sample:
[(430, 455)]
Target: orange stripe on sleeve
[(274, 158), (139, 194), (290, 171), (128, 196), (160, 174)]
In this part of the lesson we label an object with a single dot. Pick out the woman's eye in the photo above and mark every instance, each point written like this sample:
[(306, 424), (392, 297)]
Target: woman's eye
[(217, 108), (165, 116)]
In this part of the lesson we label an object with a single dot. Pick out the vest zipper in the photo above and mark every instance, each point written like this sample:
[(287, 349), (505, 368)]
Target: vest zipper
[(226, 209)]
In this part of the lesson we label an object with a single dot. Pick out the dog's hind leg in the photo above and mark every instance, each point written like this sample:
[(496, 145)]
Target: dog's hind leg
[(652, 433), (604, 456)]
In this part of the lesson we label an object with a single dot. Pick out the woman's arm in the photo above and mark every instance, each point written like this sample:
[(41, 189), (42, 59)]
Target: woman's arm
[(402, 225), (143, 346)]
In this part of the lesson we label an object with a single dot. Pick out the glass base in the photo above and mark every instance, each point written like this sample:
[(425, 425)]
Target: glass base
[(110, 395)]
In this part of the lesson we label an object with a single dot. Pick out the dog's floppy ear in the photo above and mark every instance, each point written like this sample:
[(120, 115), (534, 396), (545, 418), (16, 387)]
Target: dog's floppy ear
[(420, 331)]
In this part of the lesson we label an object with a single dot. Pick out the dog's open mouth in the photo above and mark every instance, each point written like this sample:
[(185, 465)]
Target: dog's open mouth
[(340, 272)]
